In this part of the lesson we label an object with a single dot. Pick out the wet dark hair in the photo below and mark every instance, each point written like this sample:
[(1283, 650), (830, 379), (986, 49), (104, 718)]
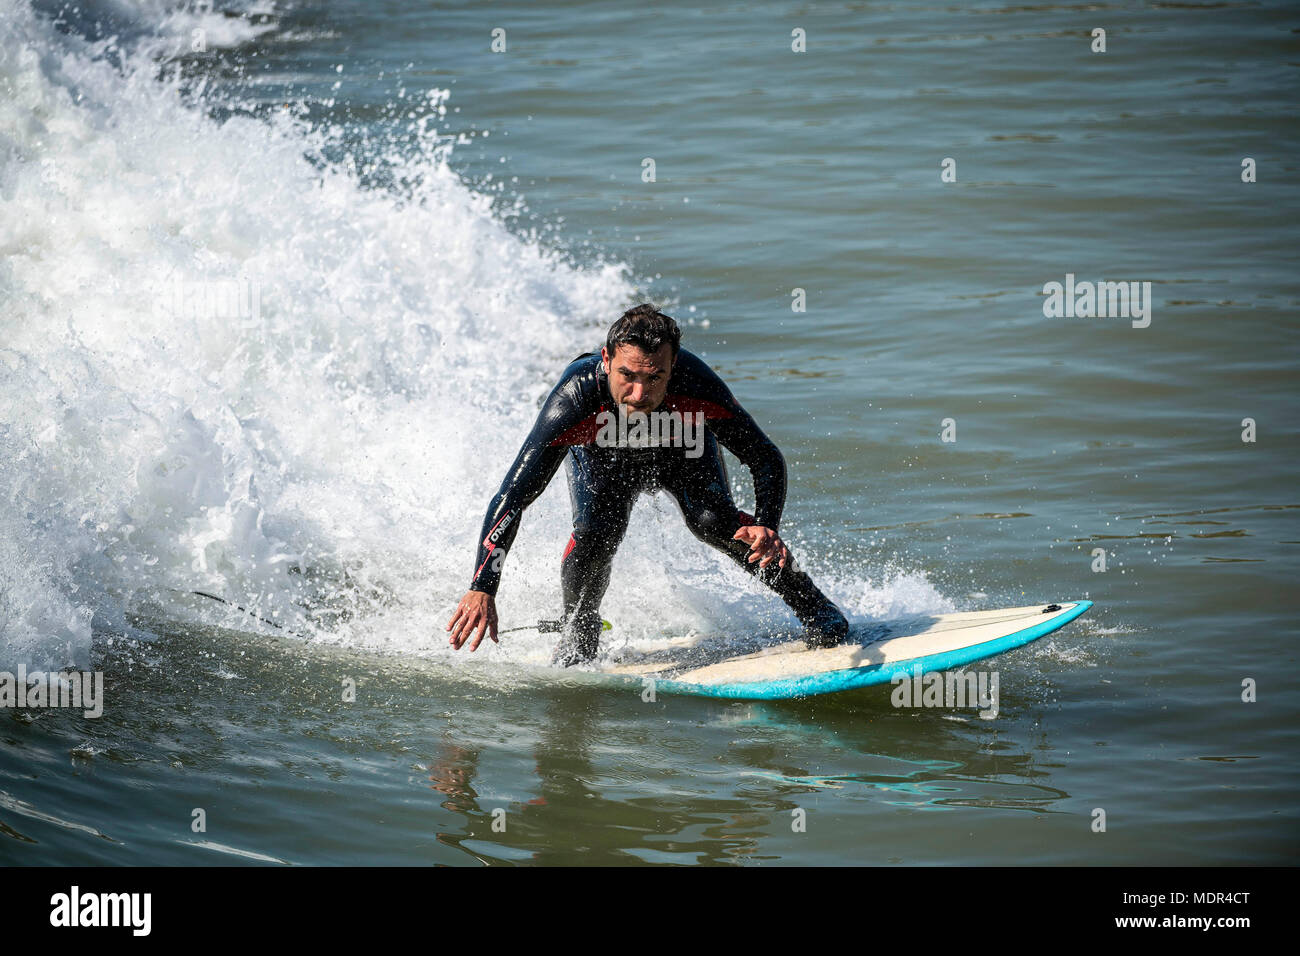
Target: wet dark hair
[(645, 327)]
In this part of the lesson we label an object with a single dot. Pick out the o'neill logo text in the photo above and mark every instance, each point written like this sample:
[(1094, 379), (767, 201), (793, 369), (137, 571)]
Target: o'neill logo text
[(102, 909), (500, 529)]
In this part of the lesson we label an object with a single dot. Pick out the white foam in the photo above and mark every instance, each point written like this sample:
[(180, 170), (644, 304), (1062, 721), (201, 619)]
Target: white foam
[(154, 442), (356, 426)]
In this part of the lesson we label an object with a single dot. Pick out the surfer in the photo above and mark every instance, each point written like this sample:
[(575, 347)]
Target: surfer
[(641, 415)]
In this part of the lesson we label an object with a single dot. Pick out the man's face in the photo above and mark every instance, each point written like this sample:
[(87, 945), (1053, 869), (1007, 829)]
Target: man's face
[(638, 379)]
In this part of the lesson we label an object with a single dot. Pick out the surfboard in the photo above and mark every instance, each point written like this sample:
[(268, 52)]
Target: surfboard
[(876, 655)]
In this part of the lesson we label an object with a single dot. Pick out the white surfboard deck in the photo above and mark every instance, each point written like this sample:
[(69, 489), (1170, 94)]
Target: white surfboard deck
[(888, 648)]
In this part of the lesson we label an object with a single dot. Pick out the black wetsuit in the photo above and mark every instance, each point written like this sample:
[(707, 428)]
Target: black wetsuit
[(605, 480)]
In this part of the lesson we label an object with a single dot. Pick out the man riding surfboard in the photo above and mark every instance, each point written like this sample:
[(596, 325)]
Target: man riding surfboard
[(644, 414)]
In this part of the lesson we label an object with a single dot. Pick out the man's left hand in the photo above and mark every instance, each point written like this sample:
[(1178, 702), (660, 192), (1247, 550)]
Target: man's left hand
[(765, 545)]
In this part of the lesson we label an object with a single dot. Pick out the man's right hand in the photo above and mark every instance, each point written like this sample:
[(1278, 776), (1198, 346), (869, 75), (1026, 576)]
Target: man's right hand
[(477, 611)]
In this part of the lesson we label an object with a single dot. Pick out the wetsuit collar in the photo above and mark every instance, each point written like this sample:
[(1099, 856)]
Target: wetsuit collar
[(602, 380)]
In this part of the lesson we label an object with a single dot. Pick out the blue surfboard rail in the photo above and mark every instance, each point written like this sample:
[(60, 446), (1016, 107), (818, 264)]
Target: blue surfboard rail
[(852, 678)]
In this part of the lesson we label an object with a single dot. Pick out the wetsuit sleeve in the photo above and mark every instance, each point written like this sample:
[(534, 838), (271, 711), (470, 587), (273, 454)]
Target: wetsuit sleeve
[(740, 435), (528, 477)]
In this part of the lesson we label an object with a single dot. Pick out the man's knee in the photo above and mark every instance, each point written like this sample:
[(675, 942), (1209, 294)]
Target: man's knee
[(592, 544)]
